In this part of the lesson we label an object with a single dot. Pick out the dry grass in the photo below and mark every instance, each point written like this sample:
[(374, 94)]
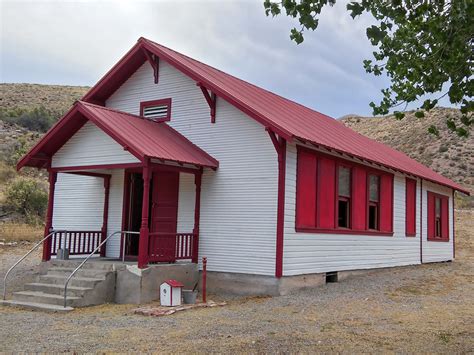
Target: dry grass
[(18, 232), (53, 97)]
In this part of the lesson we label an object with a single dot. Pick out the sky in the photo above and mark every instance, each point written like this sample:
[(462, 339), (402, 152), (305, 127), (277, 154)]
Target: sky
[(77, 42)]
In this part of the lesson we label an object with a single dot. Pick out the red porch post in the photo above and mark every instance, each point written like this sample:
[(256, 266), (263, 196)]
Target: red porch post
[(144, 230), (280, 147), (49, 217), (197, 213), (106, 213)]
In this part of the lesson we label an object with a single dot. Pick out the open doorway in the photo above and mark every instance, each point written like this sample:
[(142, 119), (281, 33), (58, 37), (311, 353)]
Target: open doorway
[(133, 223)]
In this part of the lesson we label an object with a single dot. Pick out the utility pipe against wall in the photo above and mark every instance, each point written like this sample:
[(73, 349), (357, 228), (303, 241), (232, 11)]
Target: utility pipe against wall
[(204, 276)]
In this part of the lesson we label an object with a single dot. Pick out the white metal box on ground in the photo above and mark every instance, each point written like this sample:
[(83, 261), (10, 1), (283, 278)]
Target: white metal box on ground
[(170, 293)]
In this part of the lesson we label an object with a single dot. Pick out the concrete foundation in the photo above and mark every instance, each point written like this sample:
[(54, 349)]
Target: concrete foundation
[(138, 286), (258, 285), (252, 285)]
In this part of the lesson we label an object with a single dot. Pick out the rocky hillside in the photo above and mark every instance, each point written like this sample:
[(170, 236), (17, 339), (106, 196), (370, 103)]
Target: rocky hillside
[(57, 98), (449, 154)]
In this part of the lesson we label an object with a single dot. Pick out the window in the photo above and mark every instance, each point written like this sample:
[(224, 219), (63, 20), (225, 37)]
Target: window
[(410, 208), (438, 217), (156, 110), (334, 195), (344, 197), (373, 202)]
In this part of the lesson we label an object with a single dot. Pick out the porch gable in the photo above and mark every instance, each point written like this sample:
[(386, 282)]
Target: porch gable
[(91, 146)]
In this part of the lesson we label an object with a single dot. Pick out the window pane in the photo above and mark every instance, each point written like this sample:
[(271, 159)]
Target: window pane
[(438, 207), (344, 183), (373, 187), (373, 217), (343, 214)]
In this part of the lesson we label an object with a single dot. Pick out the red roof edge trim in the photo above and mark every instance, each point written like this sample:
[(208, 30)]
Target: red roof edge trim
[(211, 158), (217, 90), (36, 148), (363, 159), (90, 95), (179, 135), (129, 146)]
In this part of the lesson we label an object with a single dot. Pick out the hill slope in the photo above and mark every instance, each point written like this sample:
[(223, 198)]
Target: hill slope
[(57, 98), (448, 155)]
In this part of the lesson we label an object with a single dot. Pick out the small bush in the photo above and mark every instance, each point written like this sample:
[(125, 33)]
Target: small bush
[(6, 173), (443, 148), (28, 197), (38, 119)]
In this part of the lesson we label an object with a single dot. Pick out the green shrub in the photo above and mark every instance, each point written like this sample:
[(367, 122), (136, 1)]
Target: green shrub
[(38, 119), (28, 197)]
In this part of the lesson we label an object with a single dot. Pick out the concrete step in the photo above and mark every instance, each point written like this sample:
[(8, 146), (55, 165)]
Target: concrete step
[(63, 271), (90, 264), (45, 298), (75, 281), (56, 289), (36, 306)]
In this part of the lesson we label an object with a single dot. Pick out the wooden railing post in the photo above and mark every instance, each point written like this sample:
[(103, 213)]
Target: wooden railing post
[(144, 230), (49, 216), (197, 213)]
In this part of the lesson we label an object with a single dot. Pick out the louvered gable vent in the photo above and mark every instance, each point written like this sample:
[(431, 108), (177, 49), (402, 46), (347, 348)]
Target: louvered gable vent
[(157, 110)]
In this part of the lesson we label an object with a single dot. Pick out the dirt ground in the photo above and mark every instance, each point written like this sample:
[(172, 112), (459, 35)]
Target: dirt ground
[(428, 309)]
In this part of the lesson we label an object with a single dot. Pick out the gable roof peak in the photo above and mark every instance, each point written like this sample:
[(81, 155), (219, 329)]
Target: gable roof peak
[(286, 118)]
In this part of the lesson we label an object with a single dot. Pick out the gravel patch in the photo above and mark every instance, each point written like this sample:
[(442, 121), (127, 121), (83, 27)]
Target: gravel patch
[(427, 308)]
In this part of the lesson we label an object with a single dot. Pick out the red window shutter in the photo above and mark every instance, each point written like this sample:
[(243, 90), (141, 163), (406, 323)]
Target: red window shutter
[(431, 215), (359, 198), (326, 193), (306, 190), (444, 218), (410, 211), (386, 203)]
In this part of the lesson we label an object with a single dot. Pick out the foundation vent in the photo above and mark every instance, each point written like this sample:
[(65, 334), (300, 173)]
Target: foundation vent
[(331, 277)]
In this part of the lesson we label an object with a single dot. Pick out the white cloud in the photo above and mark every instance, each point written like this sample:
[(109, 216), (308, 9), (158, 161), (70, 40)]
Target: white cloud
[(76, 42)]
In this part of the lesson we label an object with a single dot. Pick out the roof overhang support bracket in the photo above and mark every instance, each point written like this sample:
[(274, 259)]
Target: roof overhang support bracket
[(211, 101), (154, 61)]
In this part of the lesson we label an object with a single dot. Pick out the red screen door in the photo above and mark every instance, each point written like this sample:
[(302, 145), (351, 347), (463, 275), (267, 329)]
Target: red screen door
[(164, 216)]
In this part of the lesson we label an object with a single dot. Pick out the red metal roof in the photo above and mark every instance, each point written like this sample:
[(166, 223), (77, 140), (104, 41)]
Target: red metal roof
[(143, 138), (285, 117), (174, 283)]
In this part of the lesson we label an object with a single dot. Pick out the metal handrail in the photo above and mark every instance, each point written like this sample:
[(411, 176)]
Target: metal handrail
[(24, 256), (87, 258)]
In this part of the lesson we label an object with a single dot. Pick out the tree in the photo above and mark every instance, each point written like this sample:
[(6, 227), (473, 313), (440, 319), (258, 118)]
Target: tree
[(424, 47)]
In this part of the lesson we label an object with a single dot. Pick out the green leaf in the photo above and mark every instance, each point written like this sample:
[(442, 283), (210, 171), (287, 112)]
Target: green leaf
[(355, 9), (296, 36)]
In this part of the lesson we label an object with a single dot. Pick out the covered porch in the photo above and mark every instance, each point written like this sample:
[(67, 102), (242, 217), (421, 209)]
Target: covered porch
[(121, 178)]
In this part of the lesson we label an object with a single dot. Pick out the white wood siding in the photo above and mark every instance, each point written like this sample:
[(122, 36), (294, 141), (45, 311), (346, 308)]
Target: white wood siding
[(186, 203), (114, 222), (79, 205), (91, 146), (437, 251), (239, 200), (78, 202), (306, 253)]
